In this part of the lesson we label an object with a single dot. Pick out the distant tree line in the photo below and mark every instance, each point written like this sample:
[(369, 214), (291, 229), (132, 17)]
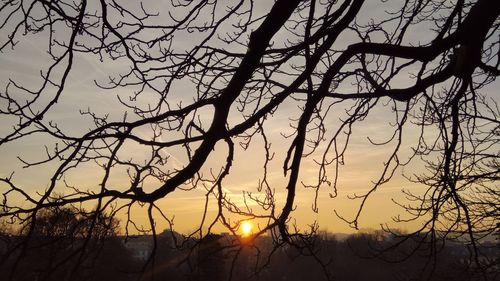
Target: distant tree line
[(64, 244)]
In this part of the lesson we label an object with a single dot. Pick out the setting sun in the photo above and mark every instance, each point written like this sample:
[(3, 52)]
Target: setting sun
[(246, 228)]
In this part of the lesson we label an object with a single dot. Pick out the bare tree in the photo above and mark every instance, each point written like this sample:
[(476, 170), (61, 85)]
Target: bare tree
[(210, 79), (63, 243)]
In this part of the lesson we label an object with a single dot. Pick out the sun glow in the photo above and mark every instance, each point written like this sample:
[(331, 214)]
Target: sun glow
[(246, 228)]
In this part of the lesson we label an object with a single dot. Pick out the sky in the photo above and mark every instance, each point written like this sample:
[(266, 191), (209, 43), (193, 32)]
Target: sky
[(363, 161)]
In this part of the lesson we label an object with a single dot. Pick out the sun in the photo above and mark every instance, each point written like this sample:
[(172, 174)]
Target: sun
[(246, 228)]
